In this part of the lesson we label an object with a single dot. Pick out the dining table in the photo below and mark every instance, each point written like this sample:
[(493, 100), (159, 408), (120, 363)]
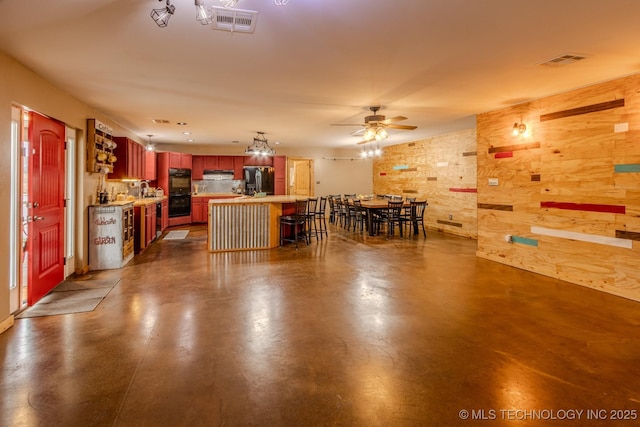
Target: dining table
[(373, 205)]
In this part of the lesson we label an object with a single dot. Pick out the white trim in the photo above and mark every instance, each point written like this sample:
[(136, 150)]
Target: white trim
[(583, 237)]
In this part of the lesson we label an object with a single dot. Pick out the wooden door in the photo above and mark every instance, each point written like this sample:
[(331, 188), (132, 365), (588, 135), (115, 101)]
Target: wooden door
[(300, 177), (46, 167)]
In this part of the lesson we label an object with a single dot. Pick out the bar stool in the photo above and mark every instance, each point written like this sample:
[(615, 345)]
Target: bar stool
[(297, 221), (321, 217), (310, 215)]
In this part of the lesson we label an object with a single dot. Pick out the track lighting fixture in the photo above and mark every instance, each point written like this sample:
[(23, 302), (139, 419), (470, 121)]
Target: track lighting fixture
[(281, 2), (161, 16)]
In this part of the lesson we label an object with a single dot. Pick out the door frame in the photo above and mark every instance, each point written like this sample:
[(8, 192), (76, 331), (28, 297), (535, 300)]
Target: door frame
[(290, 161), (19, 150)]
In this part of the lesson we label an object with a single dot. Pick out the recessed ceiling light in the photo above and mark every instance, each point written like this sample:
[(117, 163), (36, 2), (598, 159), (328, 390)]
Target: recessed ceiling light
[(277, 143), (189, 140), (186, 133), (235, 142), (182, 123)]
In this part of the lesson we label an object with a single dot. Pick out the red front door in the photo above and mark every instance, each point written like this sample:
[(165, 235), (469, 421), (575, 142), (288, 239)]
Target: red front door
[(46, 198)]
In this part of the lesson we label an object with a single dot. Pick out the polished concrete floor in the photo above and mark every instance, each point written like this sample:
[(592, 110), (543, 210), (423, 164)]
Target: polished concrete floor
[(351, 331)]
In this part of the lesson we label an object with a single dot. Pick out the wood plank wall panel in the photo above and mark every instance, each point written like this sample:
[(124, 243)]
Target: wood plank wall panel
[(575, 164), (428, 178)]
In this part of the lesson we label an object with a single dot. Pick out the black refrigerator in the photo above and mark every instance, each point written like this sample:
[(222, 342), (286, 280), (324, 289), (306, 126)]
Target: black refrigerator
[(258, 179)]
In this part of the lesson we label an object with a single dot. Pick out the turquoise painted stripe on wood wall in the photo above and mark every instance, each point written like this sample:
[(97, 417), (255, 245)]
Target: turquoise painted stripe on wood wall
[(630, 168), (524, 241), (400, 167)]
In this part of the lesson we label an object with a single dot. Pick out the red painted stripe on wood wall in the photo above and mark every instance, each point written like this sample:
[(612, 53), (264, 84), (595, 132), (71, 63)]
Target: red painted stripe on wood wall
[(504, 155), (463, 190), (584, 207)]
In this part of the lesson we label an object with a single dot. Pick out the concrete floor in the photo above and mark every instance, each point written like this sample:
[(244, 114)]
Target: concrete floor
[(351, 331)]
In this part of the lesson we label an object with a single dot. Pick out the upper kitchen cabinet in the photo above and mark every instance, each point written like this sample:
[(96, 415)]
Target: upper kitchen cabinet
[(197, 167), (130, 158), (279, 175), (149, 171), (238, 167), (180, 161), (258, 160)]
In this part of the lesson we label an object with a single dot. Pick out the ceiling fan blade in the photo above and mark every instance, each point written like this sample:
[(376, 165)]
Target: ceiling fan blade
[(406, 127), (357, 132), (345, 124), (393, 119)]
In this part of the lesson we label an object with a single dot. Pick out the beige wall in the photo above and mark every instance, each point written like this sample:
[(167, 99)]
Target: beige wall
[(570, 160), (22, 87), (440, 169)]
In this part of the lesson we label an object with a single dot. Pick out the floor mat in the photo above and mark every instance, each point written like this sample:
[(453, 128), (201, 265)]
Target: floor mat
[(176, 235), (71, 296)]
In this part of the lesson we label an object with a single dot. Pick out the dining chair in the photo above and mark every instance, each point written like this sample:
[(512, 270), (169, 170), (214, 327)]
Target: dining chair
[(357, 213), (416, 217), (296, 221)]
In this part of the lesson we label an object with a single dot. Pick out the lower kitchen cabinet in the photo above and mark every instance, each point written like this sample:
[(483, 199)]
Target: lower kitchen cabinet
[(199, 206), (145, 224)]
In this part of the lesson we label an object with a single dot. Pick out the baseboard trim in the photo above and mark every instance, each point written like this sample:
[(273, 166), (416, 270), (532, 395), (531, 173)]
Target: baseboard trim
[(6, 324)]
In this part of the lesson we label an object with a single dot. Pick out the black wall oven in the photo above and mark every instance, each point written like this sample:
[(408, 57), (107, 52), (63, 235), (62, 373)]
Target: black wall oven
[(179, 192)]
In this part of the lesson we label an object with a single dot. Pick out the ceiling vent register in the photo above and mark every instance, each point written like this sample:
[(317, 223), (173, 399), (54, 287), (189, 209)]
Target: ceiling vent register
[(562, 60), (234, 20)]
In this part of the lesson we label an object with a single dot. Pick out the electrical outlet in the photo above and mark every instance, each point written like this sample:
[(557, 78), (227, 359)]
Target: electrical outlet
[(493, 181), (450, 216)]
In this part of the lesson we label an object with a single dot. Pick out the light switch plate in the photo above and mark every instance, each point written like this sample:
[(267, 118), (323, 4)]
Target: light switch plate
[(493, 181)]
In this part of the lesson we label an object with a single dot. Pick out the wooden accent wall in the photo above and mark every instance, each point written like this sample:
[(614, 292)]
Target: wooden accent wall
[(440, 169), (568, 194)]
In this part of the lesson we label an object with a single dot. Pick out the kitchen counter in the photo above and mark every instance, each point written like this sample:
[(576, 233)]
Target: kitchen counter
[(216, 195), (266, 199), (148, 200), (246, 223)]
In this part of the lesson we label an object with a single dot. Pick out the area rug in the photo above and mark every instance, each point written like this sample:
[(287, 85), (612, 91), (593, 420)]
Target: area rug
[(176, 235), (71, 296)]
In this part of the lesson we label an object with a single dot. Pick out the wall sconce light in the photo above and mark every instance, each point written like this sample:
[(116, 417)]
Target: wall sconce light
[(519, 129)]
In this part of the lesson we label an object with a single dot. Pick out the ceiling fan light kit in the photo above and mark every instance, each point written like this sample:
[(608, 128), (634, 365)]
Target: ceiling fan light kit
[(375, 126)]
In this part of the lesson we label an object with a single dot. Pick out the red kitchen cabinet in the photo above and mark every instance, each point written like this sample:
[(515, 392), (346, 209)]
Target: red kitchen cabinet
[(211, 163), (149, 171), (150, 223), (199, 209), (279, 175), (129, 159), (180, 160), (197, 167), (238, 164), (226, 163), (164, 218), (258, 160)]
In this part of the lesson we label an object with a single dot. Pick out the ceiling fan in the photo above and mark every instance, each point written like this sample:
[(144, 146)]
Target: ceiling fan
[(375, 126)]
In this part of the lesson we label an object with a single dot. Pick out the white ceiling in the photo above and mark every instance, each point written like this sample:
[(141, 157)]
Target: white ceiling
[(316, 62)]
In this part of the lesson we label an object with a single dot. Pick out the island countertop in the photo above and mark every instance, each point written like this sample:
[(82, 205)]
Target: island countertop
[(267, 199)]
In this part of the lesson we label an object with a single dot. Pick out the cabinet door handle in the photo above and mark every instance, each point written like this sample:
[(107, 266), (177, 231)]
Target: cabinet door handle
[(37, 218)]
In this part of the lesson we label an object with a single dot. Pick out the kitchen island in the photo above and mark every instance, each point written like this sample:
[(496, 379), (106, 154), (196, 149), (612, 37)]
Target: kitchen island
[(246, 223)]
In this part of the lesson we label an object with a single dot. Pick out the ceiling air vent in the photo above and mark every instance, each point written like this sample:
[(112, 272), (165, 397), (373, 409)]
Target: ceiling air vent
[(234, 20), (562, 60), (160, 121)]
